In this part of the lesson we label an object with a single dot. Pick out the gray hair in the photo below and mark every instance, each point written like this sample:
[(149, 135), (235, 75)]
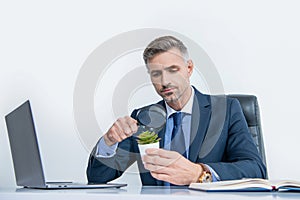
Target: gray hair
[(163, 44)]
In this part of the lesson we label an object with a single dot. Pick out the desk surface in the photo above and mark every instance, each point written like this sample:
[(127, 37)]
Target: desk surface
[(131, 192)]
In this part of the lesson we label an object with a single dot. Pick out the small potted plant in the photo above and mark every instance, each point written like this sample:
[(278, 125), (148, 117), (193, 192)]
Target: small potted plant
[(147, 139)]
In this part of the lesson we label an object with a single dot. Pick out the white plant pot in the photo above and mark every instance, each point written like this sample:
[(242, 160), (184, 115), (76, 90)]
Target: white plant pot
[(143, 147)]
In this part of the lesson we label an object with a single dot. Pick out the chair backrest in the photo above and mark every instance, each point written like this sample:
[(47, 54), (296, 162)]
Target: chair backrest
[(250, 109)]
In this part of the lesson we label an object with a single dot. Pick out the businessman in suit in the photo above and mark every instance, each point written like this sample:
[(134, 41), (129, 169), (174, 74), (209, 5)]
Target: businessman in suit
[(212, 142)]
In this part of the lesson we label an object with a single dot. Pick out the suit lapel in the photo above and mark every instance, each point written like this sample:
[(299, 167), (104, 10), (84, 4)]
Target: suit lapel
[(161, 133), (201, 115), (200, 120)]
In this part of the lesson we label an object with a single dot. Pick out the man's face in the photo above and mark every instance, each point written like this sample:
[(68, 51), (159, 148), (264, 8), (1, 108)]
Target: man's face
[(170, 75)]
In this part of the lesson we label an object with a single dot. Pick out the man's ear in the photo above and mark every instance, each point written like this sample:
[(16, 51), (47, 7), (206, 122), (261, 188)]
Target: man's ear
[(190, 66)]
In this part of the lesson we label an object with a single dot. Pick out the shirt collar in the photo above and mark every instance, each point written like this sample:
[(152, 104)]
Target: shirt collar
[(186, 109)]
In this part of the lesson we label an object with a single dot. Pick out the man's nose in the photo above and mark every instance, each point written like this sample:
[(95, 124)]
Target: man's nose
[(165, 79)]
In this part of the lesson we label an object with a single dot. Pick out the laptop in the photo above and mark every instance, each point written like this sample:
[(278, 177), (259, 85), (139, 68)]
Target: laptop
[(26, 155)]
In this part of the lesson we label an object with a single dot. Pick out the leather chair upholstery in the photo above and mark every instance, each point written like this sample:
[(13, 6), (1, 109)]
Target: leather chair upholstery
[(250, 109)]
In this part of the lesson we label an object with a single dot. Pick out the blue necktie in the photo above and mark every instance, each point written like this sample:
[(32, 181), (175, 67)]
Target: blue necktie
[(177, 138)]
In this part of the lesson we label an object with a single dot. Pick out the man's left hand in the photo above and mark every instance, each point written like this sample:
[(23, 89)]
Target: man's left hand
[(171, 166)]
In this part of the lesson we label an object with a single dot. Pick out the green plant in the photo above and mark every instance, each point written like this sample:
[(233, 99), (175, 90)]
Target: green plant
[(147, 137)]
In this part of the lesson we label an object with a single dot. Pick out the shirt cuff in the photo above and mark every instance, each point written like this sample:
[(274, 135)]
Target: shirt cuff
[(105, 151), (215, 176)]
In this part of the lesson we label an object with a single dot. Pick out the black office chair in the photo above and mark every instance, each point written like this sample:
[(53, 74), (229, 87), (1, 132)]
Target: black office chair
[(251, 111)]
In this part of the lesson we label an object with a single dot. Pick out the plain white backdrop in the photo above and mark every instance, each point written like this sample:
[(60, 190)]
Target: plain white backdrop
[(254, 45)]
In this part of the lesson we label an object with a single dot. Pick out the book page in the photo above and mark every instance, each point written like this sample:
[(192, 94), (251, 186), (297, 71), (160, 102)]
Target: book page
[(243, 184), (285, 183)]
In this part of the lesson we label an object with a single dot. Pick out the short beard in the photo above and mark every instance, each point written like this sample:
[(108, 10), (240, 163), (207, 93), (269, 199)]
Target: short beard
[(176, 98)]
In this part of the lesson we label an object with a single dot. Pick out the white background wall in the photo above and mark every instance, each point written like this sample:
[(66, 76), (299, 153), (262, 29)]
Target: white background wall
[(254, 44)]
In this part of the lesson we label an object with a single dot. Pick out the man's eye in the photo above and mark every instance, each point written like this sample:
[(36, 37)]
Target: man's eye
[(173, 69), (155, 74)]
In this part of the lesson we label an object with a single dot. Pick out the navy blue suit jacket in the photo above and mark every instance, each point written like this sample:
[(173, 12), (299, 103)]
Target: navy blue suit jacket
[(219, 138)]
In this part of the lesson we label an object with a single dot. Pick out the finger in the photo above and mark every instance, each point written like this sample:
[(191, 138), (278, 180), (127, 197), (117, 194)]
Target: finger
[(114, 135), (123, 124), (167, 178), (132, 124), (134, 129), (157, 160), (119, 129), (163, 153), (162, 177), (156, 168), (130, 120)]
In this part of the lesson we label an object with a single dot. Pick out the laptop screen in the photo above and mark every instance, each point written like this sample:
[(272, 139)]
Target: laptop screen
[(24, 147)]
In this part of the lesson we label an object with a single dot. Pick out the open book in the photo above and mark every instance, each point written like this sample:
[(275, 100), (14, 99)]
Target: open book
[(247, 185)]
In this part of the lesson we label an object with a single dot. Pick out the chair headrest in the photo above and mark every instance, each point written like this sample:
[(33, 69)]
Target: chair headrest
[(250, 108)]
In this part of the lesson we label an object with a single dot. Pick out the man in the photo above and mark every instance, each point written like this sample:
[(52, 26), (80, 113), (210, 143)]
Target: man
[(230, 152)]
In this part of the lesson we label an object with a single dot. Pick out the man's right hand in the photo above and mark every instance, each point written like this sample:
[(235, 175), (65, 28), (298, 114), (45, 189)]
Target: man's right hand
[(123, 128)]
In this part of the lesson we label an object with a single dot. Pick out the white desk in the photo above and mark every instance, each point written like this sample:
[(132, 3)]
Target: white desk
[(135, 193)]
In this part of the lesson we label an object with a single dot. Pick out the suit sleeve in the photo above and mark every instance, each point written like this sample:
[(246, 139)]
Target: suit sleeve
[(103, 170), (241, 158)]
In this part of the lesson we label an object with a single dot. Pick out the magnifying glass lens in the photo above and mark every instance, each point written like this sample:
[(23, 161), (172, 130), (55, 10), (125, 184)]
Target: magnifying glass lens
[(152, 117)]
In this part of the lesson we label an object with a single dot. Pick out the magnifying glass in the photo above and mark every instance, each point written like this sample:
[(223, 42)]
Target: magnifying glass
[(152, 117)]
